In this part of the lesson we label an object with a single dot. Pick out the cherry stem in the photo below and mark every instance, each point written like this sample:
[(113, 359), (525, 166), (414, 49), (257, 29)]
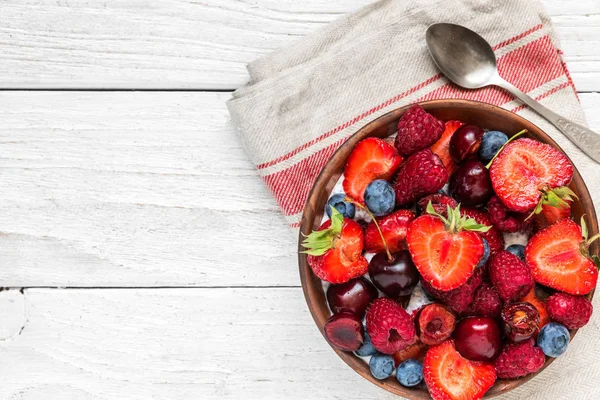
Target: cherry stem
[(387, 250), (504, 145)]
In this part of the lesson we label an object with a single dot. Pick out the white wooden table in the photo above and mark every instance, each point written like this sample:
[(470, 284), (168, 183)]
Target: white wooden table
[(142, 255)]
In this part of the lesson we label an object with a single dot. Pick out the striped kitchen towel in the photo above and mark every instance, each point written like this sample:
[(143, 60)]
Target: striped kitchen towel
[(304, 101)]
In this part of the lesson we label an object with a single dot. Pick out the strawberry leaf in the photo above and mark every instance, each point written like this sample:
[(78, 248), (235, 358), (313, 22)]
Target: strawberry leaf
[(337, 220), (471, 225), (584, 229), (596, 261), (318, 242)]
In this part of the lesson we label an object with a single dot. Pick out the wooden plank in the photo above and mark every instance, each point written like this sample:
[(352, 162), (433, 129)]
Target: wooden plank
[(205, 45), (137, 189), (133, 189), (204, 344)]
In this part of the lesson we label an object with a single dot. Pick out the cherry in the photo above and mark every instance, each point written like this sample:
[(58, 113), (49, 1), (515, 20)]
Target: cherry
[(470, 183), (521, 321), (396, 277), (435, 324), (478, 338), (353, 296), (465, 142), (344, 331)]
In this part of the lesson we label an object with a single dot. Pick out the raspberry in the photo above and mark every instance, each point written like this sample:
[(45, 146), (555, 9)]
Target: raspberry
[(520, 359), (390, 327), (511, 276), (417, 129), (505, 220), (459, 299), (571, 311), (439, 201), (494, 238), (486, 303), (421, 174)]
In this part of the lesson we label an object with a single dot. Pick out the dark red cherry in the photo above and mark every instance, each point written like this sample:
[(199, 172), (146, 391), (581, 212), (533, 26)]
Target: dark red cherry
[(397, 277), (344, 331), (521, 321), (478, 338), (470, 184), (353, 296), (465, 142)]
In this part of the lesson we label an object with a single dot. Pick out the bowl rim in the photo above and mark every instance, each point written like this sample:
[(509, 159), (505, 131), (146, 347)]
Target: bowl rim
[(308, 219)]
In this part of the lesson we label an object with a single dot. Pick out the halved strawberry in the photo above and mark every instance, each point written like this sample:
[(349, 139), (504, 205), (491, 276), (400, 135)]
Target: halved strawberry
[(540, 305), (527, 169), (371, 159), (442, 146), (450, 376), (446, 251), (335, 250), (559, 258), (393, 227)]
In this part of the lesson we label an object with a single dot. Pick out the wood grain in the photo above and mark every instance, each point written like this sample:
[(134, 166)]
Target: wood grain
[(201, 45), (206, 344), (138, 189)]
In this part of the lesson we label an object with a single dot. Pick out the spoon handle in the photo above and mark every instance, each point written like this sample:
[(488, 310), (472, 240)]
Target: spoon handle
[(587, 140)]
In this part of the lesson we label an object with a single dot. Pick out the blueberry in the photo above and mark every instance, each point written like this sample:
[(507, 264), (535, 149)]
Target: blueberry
[(410, 373), (367, 349), (553, 339), (517, 249), (380, 197), (491, 142), (381, 366), (486, 254), (337, 200)]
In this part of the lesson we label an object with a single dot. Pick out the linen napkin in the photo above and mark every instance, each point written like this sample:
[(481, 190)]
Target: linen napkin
[(304, 101)]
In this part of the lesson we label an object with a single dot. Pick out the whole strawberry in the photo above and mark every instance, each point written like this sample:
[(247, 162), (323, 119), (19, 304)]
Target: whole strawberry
[(459, 299), (335, 249), (486, 303), (440, 203), (511, 276), (389, 326), (571, 311), (417, 129), (519, 359), (421, 174)]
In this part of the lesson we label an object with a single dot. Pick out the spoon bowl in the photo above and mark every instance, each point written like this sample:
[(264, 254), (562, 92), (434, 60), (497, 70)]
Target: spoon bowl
[(462, 55)]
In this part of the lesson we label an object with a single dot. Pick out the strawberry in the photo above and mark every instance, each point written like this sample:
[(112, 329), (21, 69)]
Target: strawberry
[(559, 258), (393, 227), (532, 299), (526, 171), (417, 129), (335, 249), (371, 159), (439, 201), (442, 146), (445, 250), (450, 376), (389, 326), (421, 174), (554, 213)]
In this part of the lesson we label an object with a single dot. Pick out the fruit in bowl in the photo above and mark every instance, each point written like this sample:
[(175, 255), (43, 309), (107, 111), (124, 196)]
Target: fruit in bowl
[(417, 233)]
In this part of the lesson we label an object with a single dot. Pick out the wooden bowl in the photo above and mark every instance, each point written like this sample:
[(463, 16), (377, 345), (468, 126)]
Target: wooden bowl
[(481, 114)]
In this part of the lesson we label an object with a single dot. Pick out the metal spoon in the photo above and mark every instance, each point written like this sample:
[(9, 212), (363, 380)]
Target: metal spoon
[(469, 61)]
